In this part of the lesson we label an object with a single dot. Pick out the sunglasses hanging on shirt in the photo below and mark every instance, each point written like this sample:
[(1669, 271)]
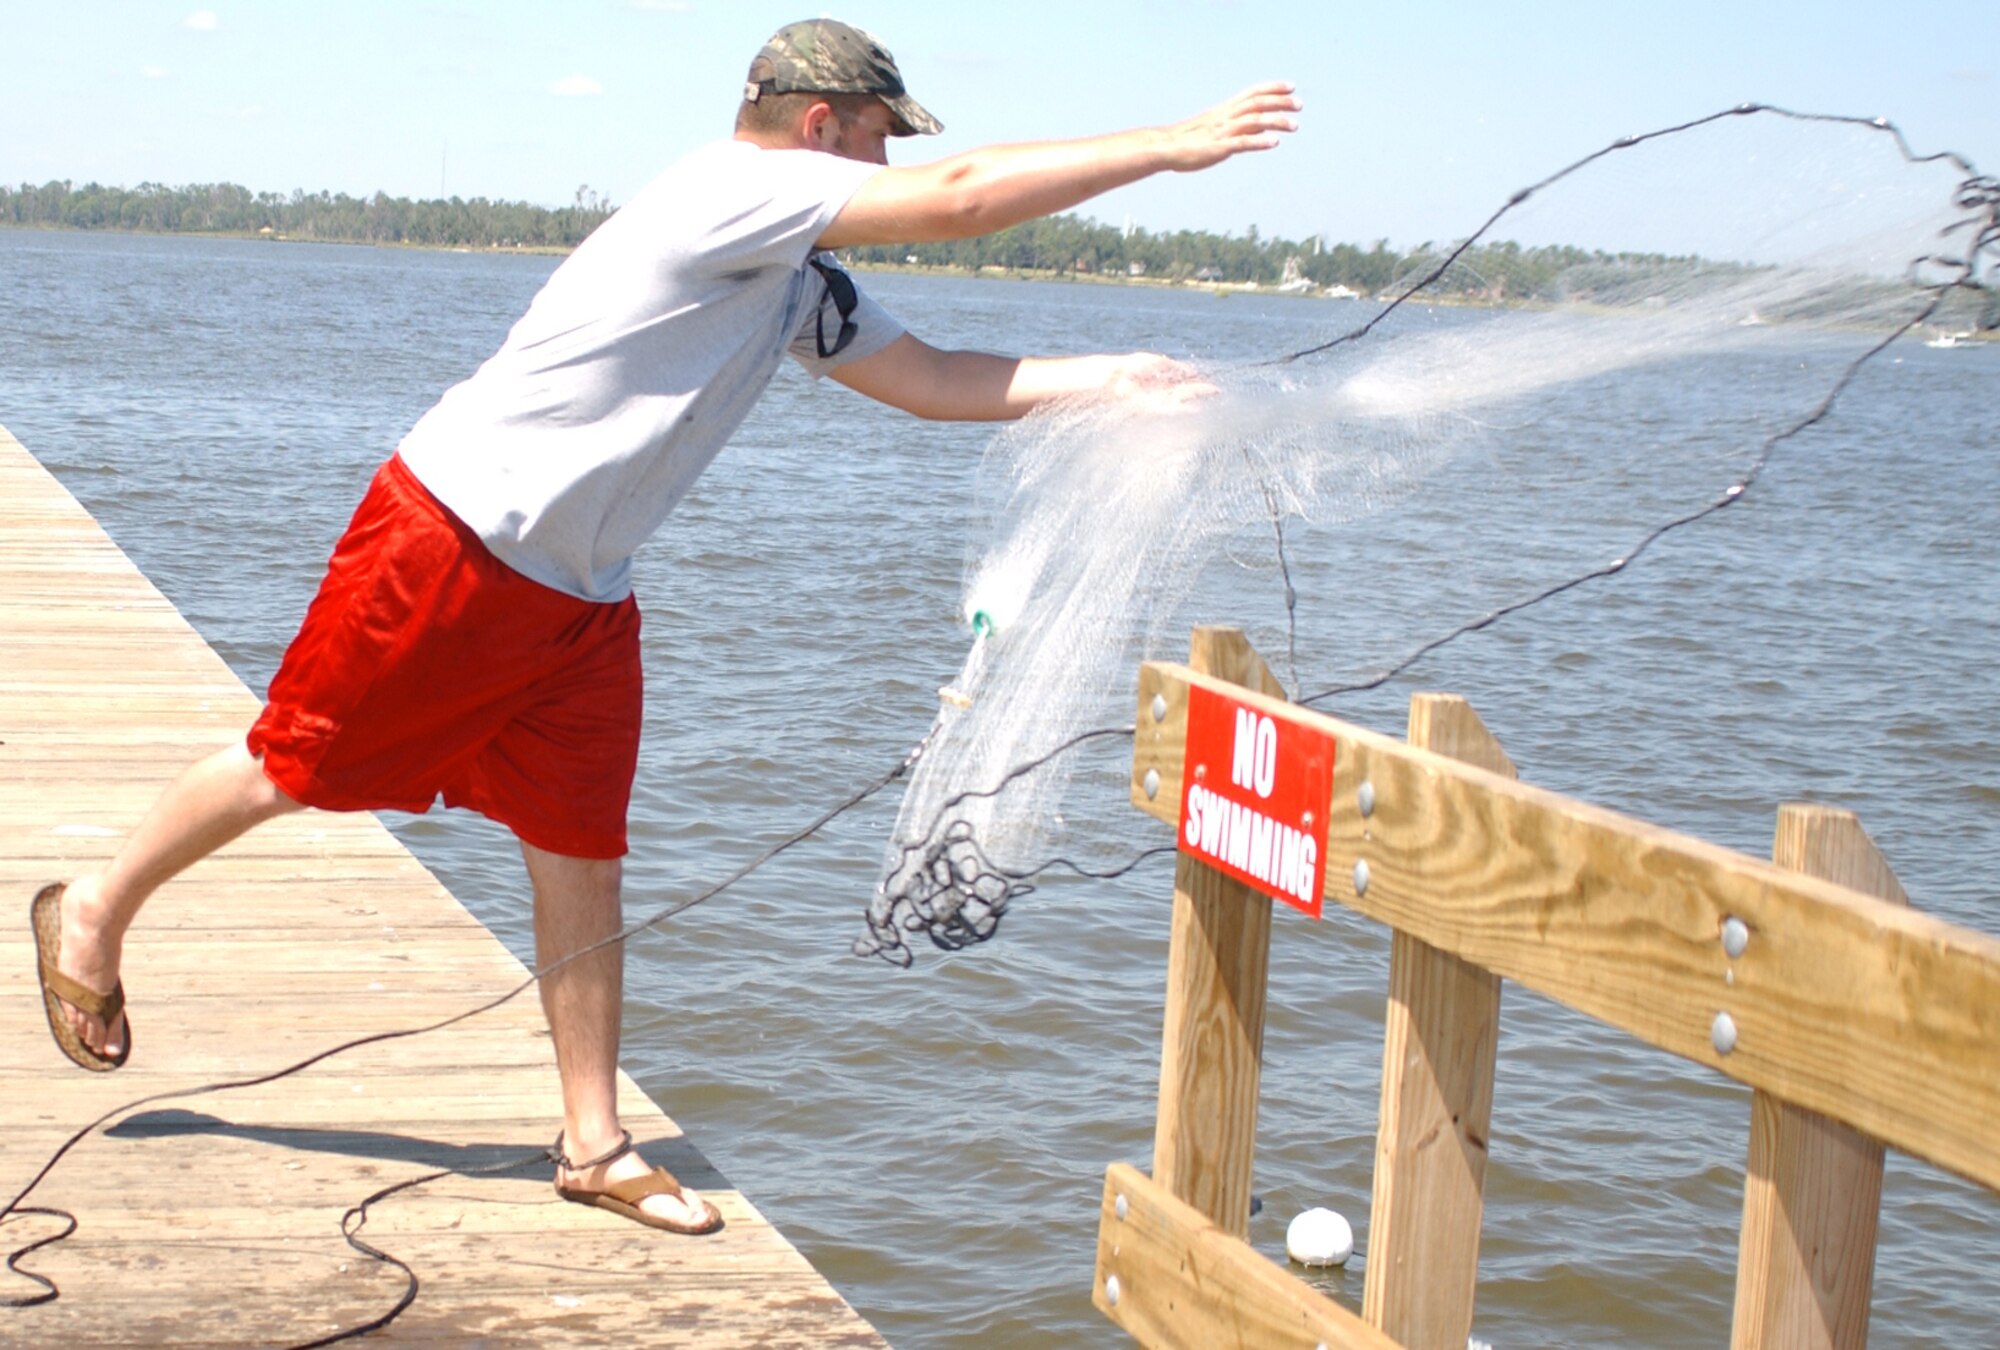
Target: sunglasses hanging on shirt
[(840, 287)]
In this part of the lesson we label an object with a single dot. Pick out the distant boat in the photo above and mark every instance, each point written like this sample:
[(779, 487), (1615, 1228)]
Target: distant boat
[(1950, 339)]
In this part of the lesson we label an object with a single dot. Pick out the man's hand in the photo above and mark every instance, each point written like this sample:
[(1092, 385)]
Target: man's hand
[(1154, 383), (1250, 121)]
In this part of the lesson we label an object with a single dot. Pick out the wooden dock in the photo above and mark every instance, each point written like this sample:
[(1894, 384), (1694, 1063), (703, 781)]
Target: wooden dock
[(215, 1220)]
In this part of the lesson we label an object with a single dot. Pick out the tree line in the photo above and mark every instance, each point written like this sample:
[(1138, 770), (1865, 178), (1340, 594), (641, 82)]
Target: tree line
[(327, 217), (1071, 244), (1081, 246)]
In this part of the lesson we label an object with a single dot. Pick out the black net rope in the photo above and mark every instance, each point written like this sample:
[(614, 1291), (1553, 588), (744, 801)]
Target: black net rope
[(950, 889)]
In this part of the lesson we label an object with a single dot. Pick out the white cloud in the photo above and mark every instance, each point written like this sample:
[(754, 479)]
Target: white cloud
[(152, 72), (202, 21), (576, 86)]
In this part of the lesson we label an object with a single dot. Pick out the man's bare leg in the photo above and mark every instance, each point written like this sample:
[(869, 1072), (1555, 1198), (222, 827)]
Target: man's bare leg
[(576, 904), (210, 804)]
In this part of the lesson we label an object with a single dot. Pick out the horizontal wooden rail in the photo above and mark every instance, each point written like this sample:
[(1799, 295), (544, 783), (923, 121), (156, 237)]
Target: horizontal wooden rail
[(1865, 1012), (1171, 1277)]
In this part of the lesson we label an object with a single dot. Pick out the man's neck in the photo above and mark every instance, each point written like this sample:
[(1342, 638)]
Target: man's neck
[(773, 141)]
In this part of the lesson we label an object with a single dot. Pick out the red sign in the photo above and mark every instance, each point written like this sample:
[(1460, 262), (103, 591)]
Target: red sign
[(1254, 796)]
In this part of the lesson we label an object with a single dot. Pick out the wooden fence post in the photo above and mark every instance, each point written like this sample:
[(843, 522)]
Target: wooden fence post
[(1213, 1042), (1813, 1194), (1437, 1102)]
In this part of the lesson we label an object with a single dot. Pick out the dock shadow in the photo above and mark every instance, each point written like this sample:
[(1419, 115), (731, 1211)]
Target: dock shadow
[(673, 1152)]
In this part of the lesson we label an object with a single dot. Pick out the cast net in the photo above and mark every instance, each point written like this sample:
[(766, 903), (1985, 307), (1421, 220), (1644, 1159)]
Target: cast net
[(1616, 353)]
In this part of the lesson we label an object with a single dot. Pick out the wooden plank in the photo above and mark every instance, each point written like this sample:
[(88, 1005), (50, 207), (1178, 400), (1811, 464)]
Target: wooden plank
[(1211, 1048), (1171, 1277), (214, 1221), (1437, 1102), (1812, 1196), (1879, 1016)]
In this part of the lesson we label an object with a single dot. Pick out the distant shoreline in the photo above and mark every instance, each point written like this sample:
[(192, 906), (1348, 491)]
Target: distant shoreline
[(1448, 300), (1087, 279), (558, 250), (256, 237)]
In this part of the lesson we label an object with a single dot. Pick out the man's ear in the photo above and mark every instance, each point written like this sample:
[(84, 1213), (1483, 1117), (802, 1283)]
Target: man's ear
[(820, 127)]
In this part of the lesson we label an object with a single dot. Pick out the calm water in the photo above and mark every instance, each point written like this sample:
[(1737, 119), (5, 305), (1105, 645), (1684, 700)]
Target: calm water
[(935, 1139)]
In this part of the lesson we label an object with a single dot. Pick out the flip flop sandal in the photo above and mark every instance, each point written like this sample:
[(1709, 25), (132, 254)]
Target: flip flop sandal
[(57, 989), (623, 1197)]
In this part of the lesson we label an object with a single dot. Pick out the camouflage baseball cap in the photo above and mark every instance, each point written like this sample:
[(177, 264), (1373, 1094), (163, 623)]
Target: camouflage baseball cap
[(825, 56)]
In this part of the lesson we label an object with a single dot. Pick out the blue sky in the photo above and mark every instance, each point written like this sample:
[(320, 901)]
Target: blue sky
[(1420, 117)]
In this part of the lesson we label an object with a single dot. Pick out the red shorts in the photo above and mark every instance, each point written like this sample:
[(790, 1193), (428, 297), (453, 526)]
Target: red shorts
[(426, 667)]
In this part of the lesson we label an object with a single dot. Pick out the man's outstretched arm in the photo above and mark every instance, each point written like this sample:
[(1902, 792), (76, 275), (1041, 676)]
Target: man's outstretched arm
[(962, 386), (989, 189)]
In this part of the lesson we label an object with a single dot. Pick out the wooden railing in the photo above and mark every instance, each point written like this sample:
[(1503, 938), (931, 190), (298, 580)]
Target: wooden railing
[(1859, 1022)]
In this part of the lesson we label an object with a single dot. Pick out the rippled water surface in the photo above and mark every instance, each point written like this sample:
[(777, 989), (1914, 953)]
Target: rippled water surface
[(935, 1139)]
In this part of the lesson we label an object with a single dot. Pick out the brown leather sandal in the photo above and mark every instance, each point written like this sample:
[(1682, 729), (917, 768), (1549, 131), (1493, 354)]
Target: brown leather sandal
[(623, 1197), (45, 915)]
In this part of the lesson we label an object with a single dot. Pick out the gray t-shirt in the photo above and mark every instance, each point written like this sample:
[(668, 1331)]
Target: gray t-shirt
[(638, 360)]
